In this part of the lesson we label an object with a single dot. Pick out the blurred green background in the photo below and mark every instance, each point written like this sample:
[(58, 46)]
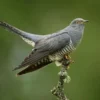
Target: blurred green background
[(44, 17)]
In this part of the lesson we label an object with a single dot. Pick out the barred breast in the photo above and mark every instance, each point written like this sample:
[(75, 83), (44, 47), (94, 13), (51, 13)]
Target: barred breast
[(59, 55)]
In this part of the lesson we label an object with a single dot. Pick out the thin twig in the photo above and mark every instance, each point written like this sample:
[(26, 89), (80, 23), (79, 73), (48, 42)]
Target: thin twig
[(58, 90)]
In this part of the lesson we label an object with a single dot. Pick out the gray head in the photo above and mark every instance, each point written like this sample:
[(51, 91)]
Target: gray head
[(77, 27), (78, 22)]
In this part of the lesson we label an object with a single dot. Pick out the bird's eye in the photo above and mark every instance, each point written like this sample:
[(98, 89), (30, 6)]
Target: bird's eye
[(79, 22)]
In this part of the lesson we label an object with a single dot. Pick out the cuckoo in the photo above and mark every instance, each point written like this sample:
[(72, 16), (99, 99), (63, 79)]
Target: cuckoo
[(49, 48)]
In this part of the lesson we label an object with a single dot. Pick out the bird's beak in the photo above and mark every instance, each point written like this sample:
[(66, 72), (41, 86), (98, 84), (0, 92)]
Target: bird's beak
[(86, 21)]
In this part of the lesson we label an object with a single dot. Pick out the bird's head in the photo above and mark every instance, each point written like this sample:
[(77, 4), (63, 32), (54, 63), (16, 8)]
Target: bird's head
[(78, 21)]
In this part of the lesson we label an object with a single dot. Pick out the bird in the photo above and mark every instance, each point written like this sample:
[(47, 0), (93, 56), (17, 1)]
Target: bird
[(51, 47)]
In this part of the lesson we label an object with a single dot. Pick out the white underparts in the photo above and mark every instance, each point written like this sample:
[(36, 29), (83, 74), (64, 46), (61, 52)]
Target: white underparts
[(29, 42)]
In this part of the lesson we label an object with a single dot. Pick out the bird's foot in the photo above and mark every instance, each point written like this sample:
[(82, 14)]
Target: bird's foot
[(68, 57), (66, 61)]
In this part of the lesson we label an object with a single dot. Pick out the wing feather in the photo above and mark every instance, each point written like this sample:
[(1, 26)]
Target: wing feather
[(46, 47)]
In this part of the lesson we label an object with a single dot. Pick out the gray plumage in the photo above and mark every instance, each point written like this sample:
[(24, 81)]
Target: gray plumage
[(49, 48)]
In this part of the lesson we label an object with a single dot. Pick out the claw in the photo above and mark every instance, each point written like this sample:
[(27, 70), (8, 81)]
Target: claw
[(69, 58)]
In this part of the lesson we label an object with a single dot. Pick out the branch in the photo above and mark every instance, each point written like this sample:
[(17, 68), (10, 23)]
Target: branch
[(58, 90)]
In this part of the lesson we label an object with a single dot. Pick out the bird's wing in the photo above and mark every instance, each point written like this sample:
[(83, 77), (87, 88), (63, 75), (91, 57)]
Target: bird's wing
[(27, 37), (46, 47)]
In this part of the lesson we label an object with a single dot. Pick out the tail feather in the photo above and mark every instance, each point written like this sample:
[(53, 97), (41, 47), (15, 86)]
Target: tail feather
[(36, 66), (23, 34)]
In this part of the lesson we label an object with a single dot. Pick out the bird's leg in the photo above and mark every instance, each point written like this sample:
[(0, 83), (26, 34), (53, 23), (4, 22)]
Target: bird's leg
[(68, 57), (66, 61)]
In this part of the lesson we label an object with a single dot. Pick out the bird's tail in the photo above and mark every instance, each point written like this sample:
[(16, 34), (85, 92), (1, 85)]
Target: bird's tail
[(36, 66), (27, 36)]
